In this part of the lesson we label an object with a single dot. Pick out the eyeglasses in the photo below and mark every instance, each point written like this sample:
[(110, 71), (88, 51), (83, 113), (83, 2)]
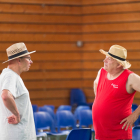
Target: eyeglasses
[(29, 58)]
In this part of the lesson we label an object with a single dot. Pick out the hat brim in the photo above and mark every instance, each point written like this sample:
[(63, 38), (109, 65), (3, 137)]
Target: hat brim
[(19, 56), (125, 63)]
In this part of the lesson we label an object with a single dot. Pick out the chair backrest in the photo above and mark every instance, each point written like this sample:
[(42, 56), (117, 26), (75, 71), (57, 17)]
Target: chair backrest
[(80, 134), (65, 119), (51, 106), (78, 109), (47, 109), (64, 107), (136, 133), (85, 118), (77, 97), (134, 106), (35, 108), (43, 120)]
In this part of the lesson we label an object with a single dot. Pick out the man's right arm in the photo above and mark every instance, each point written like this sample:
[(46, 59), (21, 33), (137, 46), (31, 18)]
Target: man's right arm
[(96, 82), (10, 104)]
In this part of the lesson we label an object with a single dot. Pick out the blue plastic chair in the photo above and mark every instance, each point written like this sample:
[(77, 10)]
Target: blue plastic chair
[(77, 97), (43, 120), (136, 133), (47, 109), (134, 106), (65, 119), (35, 108), (79, 134), (78, 109), (51, 106), (64, 107), (85, 118)]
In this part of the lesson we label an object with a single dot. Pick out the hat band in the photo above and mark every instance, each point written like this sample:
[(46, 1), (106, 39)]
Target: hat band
[(122, 59), (18, 54)]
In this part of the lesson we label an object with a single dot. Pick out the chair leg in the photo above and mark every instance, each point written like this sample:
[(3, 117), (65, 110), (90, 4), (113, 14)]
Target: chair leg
[(44, 138)]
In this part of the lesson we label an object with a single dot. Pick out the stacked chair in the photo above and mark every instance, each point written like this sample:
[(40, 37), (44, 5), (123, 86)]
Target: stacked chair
[(65, 119), (77, 97), (63, 123), (50, 106), (43, 120), (64, 107)]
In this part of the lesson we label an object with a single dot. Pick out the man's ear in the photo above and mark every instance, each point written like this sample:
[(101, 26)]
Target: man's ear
[(119, 65)]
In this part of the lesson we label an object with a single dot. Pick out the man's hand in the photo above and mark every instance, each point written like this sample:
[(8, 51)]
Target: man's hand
[(13, 119), (128, 121)]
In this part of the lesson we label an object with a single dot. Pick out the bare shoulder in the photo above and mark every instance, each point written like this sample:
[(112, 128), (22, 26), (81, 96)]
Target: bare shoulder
[(134, 81), (133, 76)]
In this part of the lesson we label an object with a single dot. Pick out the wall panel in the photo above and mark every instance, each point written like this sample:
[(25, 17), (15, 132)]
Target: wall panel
[(49, 2), (89, 2), (52, 28)]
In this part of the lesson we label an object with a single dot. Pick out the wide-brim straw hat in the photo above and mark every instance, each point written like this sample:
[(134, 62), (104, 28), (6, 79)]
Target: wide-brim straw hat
[(118, 53), (17, 50)]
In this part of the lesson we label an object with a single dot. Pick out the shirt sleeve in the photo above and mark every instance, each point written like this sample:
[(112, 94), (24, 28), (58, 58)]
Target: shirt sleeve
[(9, 83)]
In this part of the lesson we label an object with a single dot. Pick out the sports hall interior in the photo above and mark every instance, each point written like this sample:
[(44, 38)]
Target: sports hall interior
[(53, 28)]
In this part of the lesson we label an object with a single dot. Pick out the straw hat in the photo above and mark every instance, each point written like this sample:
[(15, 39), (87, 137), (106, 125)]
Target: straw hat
[(118, 53), (17, 50)]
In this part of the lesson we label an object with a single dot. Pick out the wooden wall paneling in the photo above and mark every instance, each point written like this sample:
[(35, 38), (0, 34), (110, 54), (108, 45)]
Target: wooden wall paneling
[(59, 65), (54, 2), (111, 27), (92, 65), (53, 84), (111, 18), (93, 46), (45, 46), (137, 95), (39, 9), (52, 75), (71, 46), (50, 94), (50, 56), (44, 19), (87, 2), (56, 65), (34, 37), (37, 28), (132, 36), (54, 101), (89, 74), (88, 83), (111, 8), (129, 36)]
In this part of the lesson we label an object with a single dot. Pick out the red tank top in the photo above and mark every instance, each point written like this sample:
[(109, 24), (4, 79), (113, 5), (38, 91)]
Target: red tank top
[(111, 105)]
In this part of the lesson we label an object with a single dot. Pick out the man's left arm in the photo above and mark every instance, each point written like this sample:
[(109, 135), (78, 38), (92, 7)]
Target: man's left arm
[(134, 83)]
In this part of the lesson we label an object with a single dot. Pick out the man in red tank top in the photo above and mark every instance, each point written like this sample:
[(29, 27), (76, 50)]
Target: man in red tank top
[(114, 89)]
